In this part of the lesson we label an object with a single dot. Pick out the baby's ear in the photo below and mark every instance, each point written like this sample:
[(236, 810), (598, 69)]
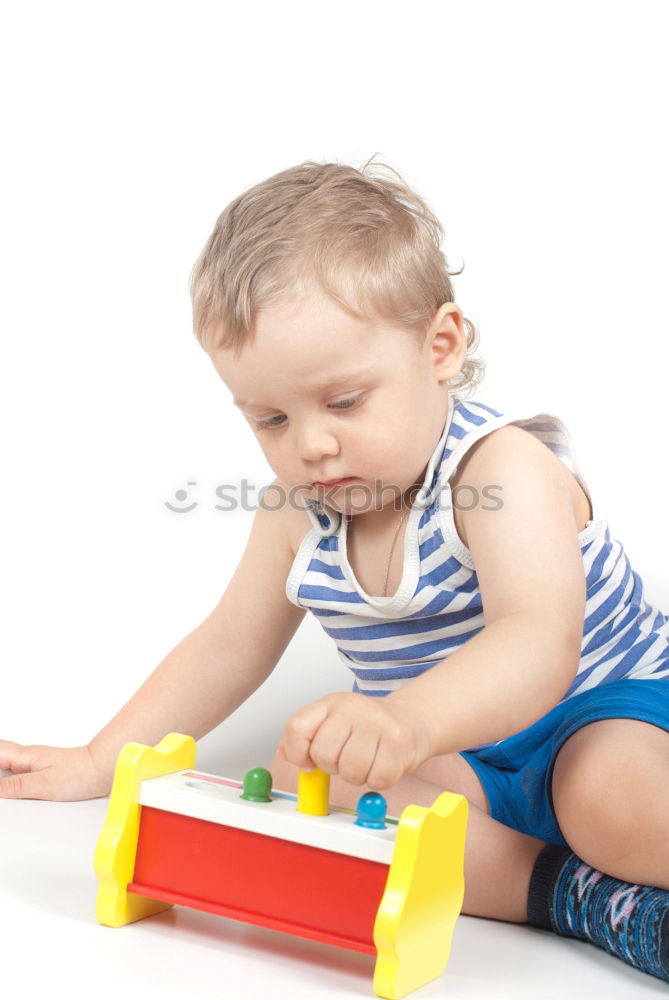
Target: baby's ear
[(447, 340)]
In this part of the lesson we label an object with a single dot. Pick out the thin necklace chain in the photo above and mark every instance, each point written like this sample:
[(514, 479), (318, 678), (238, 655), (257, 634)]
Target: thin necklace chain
[(392, 549)]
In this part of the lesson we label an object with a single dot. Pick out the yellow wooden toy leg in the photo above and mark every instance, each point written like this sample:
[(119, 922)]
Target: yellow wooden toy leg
[(423, 897), (114, 860)]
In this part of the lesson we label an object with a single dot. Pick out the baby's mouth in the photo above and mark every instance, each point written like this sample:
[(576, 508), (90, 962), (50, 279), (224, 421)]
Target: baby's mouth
[(333, 484)]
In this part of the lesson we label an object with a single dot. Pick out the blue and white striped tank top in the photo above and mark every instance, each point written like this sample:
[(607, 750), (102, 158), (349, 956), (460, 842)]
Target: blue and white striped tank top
[(385, 641)]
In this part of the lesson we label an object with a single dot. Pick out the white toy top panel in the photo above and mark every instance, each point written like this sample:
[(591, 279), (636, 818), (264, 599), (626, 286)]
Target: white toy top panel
[(218, 800)]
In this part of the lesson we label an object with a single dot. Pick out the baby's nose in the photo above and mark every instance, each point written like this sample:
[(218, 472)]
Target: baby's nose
[(316, 443)]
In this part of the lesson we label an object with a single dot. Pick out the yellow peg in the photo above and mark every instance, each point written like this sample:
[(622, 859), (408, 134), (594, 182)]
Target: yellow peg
[(313, 792)]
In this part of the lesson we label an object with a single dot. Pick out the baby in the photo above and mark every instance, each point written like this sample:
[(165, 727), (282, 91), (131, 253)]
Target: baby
[(500, 643)]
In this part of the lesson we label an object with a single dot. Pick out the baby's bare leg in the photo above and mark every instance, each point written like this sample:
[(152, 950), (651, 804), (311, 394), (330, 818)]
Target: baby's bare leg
[(498, 860)]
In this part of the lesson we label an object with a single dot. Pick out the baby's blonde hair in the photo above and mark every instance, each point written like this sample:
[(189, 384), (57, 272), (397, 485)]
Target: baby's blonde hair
[(367, 240)]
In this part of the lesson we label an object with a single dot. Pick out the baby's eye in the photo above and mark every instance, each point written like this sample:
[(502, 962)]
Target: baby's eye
[(262, 424), (343, 404)]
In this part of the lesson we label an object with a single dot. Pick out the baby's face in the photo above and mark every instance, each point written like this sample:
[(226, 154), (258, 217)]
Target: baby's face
[(330, 397)]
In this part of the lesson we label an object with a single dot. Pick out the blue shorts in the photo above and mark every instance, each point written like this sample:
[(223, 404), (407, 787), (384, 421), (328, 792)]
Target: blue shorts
[(517, 775)]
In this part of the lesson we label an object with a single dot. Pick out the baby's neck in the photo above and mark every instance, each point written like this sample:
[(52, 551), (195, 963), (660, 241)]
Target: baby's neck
[(378, 522)]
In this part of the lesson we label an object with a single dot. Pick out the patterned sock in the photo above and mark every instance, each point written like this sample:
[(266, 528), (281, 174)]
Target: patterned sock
[(574, 900)]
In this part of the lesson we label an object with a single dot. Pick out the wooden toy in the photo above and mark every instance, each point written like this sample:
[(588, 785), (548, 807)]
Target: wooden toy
[(387, 887)]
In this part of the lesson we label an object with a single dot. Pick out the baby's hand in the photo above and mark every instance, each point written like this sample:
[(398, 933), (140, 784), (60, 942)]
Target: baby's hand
[(63, 774), (363, 740)]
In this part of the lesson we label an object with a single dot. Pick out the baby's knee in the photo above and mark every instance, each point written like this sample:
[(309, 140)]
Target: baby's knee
[(454, 774), (284, 775)]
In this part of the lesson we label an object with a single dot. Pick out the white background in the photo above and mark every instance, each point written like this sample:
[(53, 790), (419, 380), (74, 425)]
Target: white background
[(536, 131)]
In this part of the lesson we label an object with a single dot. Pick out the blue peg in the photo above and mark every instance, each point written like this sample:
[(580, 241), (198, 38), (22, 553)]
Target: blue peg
[(371, 811)]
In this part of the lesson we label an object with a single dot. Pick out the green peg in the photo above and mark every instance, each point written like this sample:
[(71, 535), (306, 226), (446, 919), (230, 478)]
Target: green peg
[(257, 785)]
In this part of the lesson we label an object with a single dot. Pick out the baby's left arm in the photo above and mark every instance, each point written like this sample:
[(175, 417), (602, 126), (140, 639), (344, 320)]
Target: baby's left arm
[(529, 567)]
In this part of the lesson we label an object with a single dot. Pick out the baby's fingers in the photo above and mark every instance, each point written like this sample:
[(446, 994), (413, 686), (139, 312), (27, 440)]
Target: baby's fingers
[(19, 781), (61, 774), (35, 785), (387, 768), (298, 733), (14, 757)]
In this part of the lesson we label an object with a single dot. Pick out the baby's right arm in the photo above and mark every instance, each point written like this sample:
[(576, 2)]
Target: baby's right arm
[(199, 683)]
